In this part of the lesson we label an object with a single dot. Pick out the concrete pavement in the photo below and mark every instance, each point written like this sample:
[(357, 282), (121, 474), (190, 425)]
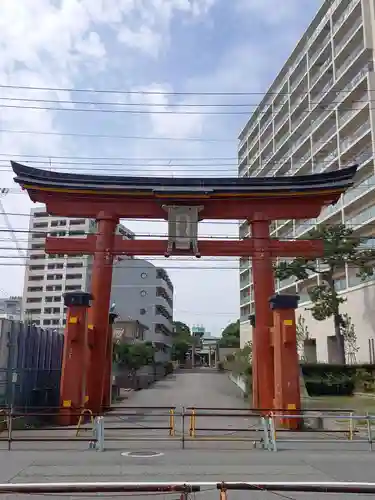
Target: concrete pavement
[(200, 461)]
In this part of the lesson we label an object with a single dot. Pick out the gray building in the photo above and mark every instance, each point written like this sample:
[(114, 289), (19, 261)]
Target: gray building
[(10, 308), (144, 293)]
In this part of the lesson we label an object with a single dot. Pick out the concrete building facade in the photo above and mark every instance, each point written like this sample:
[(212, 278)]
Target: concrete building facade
[(11, 308), (318, 116), (143, 292)]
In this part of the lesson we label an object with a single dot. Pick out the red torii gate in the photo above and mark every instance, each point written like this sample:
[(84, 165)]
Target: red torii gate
[(188, 200)]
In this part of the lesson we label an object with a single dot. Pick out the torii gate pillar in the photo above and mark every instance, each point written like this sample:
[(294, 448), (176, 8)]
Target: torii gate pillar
[(98, 314), (264, 287)]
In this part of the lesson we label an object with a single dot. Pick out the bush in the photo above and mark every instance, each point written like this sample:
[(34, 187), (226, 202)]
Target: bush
[(329, 388), (168, 367)]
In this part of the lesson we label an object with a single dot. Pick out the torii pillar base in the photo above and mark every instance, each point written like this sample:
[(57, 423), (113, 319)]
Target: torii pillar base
[(287, 399), (75, 358)]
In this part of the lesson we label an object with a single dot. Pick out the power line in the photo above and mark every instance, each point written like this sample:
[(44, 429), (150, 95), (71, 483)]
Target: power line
[(130, 219), (151, 92), (121, 158), (127, 137), (124, 111), (130, 104), (168, 112)]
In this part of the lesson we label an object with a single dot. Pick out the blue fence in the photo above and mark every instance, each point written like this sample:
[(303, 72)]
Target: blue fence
[(30, 365)]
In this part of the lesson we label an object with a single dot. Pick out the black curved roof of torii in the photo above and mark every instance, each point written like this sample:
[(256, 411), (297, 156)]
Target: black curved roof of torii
[(34, 178)]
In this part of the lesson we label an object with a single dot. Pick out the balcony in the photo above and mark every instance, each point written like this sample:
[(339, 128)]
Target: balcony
[(319, 49), (245, 299), (345, 15), (323, 139), (348, 36), (361, 218), (357, 191), (314, 78), (348, 61), (324, 163), (345, 117), (349, 141)]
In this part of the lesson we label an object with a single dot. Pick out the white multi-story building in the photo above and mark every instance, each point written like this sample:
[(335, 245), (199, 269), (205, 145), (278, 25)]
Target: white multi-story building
[(47, 277), (318, 116)]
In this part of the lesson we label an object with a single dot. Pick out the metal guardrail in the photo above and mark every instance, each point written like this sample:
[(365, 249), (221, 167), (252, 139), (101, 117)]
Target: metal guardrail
[(186, 488), (260, 428)]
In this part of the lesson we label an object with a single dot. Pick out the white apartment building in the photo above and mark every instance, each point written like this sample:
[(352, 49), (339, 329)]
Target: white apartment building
[(318, 116), (48, 277)]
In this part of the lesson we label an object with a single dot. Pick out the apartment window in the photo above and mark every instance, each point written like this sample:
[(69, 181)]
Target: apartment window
[(70, 288), (55, 266), (73, 276), (56, 223), (54, 277), (37, 246), (34, 300), (54, 288), (56, 310), (37, 257), (77, 222), (38, 235), (33, 311), (40, 214), (35, 278), (56, 256), (52, 298), (40, 225), (46, 322), (74, 265), (35, 289), (55, 321), (36, 268), (58, 233)]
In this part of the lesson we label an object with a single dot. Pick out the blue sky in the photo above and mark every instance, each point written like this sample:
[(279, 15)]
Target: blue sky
[(158, 45)]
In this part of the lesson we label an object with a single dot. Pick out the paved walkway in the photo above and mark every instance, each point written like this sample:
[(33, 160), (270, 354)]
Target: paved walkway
[(200, 461)]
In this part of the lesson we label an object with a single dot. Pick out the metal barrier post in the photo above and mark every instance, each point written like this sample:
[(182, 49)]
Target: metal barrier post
[(192, 423), (266, 433), (351, 426), (99, 445), (272, 428), (171, 422), (183, 427), (10, 425), (369, 430)]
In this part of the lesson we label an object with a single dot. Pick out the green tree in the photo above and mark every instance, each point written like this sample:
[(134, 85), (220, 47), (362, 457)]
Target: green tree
[(133, 356), (182, 341), (230, 336), (341, 248), (181, 330), (180, 349)]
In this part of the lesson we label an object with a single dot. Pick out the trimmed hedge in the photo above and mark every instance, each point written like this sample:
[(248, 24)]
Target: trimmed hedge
[(324, 379)]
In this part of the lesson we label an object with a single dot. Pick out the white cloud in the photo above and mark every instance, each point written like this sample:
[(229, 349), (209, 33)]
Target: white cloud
[(49, 43)]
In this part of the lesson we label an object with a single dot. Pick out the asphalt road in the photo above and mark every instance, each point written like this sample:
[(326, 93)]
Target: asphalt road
[(199, 461)]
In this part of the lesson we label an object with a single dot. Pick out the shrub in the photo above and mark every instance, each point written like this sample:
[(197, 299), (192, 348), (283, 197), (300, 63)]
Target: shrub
[(168, 367)]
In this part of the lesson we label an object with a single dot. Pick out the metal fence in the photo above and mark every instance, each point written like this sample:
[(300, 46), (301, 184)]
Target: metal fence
[(30, 365), (189, 425)]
